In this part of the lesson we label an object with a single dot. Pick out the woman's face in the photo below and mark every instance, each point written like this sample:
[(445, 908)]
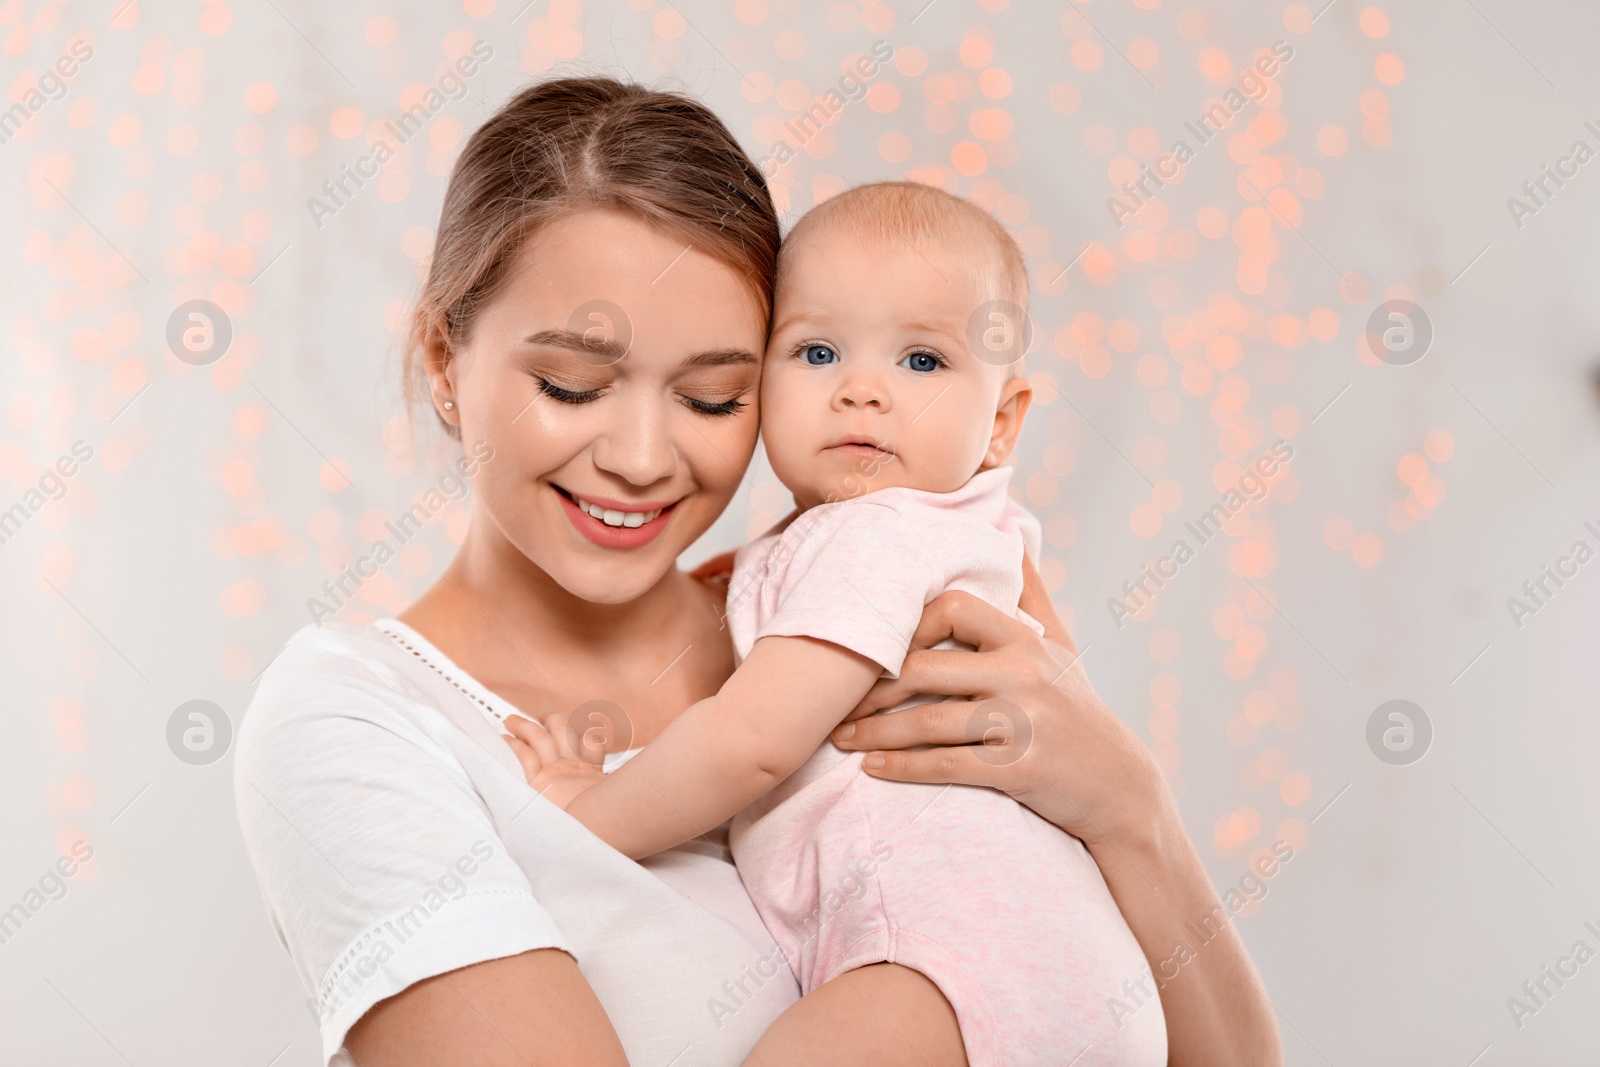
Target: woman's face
[(615, 378)]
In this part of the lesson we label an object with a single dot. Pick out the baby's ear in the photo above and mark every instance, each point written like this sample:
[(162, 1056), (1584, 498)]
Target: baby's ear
[(1015, 396)]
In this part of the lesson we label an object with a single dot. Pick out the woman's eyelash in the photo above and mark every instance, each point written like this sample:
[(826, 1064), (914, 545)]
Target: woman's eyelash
[(726, 407), (566, 396)]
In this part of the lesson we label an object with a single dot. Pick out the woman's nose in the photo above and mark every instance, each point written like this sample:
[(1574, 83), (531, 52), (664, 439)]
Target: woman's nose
[(639, 447)]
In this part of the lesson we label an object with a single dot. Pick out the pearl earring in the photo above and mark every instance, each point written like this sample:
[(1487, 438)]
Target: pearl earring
[(449, 405)]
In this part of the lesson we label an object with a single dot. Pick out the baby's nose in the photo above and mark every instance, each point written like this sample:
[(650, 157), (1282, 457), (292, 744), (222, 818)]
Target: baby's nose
[(863, 392)]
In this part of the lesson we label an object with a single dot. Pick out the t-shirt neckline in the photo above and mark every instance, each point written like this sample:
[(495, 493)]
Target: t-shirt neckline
[(494, 706)]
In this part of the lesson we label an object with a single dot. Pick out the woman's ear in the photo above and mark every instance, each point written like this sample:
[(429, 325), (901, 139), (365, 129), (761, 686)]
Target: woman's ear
[(437, 361), (1015, 396)]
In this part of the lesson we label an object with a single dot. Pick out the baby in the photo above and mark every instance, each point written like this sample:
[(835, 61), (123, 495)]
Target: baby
[(891, 398)]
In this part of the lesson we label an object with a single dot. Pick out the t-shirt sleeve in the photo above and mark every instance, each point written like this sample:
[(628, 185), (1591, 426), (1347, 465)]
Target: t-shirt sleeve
[(377, 860), (858, 576)]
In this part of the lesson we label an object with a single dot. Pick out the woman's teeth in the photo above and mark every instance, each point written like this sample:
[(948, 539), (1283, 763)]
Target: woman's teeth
[(617, 518)]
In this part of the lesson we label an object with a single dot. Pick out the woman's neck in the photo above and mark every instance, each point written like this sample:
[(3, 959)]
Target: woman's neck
[(518, 632), (498, 581)]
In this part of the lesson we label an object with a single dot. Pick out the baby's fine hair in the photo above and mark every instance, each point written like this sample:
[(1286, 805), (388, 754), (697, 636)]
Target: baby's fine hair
[(891, 212)]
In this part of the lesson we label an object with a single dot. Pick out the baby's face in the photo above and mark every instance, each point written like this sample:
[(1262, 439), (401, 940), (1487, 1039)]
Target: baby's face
[(870, 380)]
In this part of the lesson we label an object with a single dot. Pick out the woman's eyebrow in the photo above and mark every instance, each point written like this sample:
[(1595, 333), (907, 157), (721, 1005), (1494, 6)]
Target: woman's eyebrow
[(721, 357), (610, 350)]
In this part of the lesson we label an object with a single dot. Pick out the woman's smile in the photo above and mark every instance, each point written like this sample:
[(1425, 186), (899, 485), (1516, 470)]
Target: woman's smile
[(615, 523)]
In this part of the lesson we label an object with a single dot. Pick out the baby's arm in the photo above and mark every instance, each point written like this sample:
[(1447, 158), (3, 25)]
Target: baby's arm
[(727, 750)]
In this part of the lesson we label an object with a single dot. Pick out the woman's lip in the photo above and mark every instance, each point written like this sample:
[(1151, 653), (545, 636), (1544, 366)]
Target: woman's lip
[(614, 536), (618, 505)]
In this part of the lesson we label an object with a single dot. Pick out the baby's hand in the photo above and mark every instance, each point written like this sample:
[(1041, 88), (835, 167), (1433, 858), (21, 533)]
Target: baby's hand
[(552, 764)]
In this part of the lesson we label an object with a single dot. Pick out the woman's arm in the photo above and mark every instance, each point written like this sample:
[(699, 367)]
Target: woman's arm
[(1049, 741), (716, 757), (411, 923), (529, 1010)]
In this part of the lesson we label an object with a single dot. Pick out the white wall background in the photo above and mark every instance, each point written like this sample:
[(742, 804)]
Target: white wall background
[(177, 165)]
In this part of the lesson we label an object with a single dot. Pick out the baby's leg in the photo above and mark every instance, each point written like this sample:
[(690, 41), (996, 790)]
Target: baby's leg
[(882, 1014)]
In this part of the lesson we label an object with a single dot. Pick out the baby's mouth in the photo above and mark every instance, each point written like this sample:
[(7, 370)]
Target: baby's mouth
[(863, 445)]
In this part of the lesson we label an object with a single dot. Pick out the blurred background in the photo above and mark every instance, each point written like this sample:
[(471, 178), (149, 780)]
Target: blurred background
[(1380, 253)]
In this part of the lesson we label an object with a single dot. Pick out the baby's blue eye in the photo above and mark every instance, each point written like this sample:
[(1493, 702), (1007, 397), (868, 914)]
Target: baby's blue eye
[(921, 362), (819, 355)]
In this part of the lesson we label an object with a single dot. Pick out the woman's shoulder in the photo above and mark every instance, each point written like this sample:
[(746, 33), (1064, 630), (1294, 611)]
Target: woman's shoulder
[(330, 654), (330, 682)]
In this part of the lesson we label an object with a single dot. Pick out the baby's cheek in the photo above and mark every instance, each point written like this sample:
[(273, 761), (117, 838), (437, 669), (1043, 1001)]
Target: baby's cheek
[(951, 449), (791, 461), (790, 413)]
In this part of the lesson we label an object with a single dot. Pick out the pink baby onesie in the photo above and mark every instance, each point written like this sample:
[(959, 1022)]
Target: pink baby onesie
[(1007, 914)]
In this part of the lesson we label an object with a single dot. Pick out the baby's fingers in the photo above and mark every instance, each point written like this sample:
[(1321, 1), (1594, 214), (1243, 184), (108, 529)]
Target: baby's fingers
[(525, 756), (534, 736), (582, 740), (568, 742)]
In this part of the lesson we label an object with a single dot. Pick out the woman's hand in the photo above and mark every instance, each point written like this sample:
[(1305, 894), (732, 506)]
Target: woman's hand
[(718, 568), (1031, 726), (552, 762)]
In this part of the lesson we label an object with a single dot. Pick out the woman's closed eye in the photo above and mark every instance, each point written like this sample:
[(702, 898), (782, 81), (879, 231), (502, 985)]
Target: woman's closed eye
[(731, 406), (568, 396)]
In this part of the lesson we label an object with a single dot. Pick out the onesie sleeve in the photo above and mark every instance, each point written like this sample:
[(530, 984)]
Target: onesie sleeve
[(1016, 517), (858, 576)]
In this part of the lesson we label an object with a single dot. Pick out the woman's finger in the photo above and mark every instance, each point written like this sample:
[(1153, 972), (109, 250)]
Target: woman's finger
[(943, 722), (968, 619), (1037, 603), (940, 672), (534, 736), (959, 765)]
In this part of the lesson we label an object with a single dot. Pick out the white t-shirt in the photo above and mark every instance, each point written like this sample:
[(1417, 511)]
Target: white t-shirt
[(395, 839)]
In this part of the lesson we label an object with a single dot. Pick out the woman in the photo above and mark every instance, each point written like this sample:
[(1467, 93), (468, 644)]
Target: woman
[(591, 330)]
